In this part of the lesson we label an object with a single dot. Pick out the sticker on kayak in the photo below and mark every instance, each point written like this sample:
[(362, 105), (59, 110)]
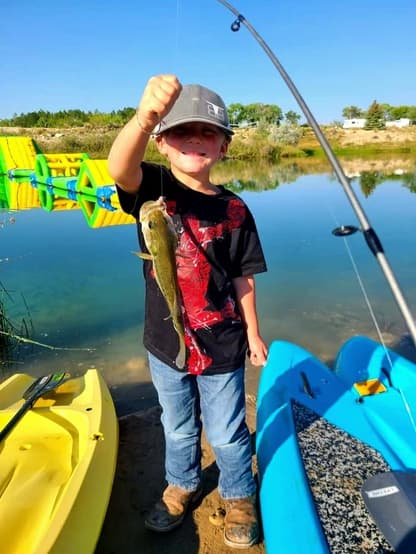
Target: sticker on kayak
[(369, 387), (385, 491)]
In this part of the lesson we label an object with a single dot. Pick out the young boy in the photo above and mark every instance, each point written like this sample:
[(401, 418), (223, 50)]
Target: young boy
[(217, 255)]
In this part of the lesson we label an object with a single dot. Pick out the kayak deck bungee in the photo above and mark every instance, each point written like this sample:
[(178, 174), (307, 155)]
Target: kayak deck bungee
[(57, 466), (365, 396)]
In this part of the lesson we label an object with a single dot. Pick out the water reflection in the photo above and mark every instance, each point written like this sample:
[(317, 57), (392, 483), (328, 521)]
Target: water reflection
[(241, 176), (67, 269)]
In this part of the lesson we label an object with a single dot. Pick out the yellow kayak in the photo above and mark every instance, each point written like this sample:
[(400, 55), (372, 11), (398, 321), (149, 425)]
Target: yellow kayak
[(57, 466)]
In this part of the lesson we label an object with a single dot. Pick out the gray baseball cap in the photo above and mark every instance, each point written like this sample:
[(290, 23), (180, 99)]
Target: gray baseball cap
[(199, 104)]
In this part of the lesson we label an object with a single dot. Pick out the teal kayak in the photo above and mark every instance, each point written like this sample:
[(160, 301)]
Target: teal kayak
[(370, 394)]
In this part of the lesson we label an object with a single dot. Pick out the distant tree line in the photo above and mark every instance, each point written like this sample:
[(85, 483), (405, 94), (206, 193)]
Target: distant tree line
[(69, 118), (257, 113), (377, 114), (239, 114)]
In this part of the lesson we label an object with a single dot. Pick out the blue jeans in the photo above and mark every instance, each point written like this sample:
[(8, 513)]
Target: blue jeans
[(220, 401)]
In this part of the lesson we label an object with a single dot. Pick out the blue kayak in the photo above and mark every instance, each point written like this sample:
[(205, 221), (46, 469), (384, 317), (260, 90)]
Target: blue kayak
[(370, 394)]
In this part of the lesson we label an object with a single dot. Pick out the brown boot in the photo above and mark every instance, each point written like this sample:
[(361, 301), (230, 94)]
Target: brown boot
[(241, 528), (169, 512)]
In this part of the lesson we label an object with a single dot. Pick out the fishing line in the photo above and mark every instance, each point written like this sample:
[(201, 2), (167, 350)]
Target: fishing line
[(176, 49), (161, 181), (367, 301), (371, 238), (380, 335), (359, 279), (175, 57), (361, 284)]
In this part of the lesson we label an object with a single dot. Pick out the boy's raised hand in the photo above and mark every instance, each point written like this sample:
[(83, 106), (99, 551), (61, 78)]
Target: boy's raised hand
[(160, 94)]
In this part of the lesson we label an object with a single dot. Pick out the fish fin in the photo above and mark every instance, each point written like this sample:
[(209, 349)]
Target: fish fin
[(143, 255)]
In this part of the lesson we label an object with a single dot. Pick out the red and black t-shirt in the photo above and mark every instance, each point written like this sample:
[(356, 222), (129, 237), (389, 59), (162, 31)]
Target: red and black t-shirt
[(217, 241)]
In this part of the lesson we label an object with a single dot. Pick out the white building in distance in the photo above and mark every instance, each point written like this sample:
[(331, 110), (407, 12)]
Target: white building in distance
[(402, 122), (359, 123), (354, 123)]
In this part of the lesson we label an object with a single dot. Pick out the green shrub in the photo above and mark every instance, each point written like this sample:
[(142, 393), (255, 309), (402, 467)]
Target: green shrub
[(256, 146), (287, 133)]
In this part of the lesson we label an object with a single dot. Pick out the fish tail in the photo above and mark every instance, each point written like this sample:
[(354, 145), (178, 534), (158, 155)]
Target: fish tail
[(180, 358), (180, 331)]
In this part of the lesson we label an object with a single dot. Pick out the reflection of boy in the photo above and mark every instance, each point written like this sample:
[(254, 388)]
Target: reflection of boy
[(218, 253)]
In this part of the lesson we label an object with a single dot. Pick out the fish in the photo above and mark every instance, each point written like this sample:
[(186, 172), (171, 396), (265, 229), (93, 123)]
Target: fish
[(161, 241)]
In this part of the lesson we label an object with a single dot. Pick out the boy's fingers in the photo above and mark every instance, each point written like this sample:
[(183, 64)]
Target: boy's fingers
[(165, 84), (258, 358), (160, 94), (171, 80), (170, 77)]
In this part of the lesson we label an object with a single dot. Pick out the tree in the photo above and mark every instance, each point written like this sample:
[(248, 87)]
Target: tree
[(263, 113), (270, 113), (255, 113), (388, 112), (409, 180), (375, 117), (292, 117), (369, 181), (236, 113), (400, 111), (352, 112), (26, 120), (125, 114), (411, 114)]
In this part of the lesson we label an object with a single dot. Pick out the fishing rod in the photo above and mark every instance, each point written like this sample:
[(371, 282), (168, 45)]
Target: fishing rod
[(371, 238)]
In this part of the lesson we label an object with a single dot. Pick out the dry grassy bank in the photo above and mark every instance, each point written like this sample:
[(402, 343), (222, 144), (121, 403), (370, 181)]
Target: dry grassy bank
[(247, 144)]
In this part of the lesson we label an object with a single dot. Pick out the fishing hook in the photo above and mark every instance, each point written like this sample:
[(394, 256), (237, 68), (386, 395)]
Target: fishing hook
[(370, 235)]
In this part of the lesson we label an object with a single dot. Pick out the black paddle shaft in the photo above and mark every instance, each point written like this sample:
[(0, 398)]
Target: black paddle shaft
[(38, 388)]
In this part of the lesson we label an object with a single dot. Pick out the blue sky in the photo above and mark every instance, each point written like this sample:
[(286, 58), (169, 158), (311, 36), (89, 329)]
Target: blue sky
[(94, 54)]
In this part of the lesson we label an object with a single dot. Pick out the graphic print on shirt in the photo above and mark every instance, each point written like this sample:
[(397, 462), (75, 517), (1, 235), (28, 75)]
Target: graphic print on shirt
[(195, 272)]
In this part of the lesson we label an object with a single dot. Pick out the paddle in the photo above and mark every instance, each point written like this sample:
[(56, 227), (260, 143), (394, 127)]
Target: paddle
[(391, 500), (37, 389)]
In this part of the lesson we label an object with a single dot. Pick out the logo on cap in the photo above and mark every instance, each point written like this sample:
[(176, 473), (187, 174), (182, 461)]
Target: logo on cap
[(215, 111)]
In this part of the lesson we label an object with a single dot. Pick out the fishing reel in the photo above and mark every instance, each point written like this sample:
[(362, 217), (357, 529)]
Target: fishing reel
[(235, 26), (345, 230)]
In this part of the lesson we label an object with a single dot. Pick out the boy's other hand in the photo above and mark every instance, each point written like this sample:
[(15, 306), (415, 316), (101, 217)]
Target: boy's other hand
[(257, 351), (160, 94)]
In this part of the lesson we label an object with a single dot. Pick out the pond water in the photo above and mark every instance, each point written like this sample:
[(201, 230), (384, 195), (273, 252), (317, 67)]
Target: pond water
[(80, 289)]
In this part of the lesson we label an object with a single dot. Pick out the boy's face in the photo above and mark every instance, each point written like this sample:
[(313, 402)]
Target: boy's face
[(193, 148)]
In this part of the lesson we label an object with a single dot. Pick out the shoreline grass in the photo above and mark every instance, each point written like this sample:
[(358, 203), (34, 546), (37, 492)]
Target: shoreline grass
[(364, 151), (247, 145)]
